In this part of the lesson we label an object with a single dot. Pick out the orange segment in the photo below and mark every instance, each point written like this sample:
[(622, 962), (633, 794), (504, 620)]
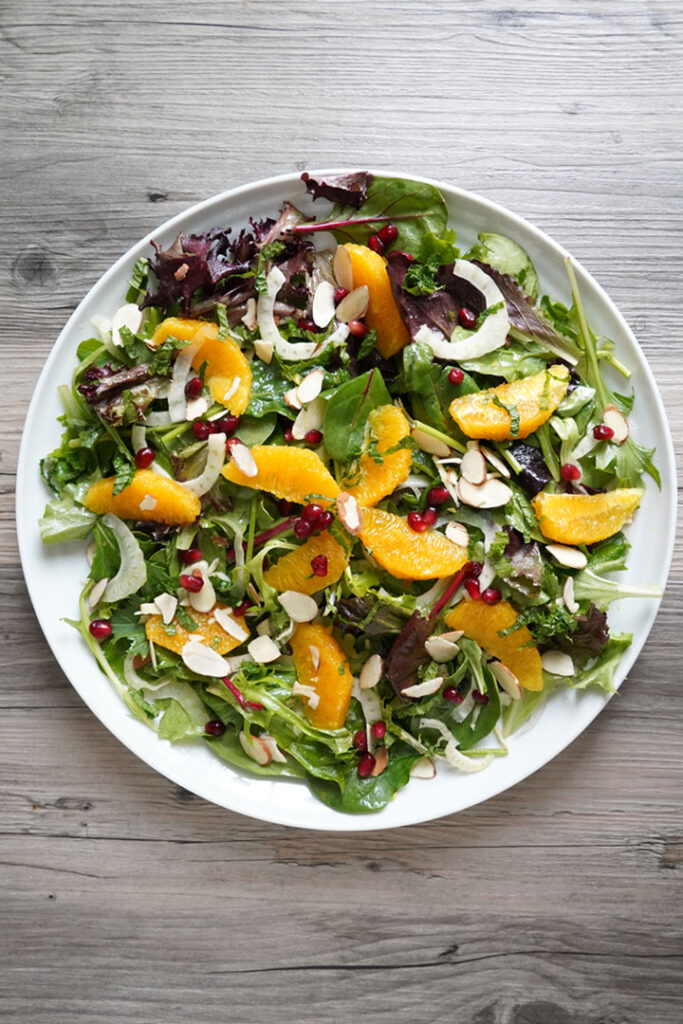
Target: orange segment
[(388, 426), (296, 474), (148, 496), (214, 635), (370, 268), (177, 327), (483, 623), (585, 518), (331, 679), (405, 554), (484, 414), (293, 571)]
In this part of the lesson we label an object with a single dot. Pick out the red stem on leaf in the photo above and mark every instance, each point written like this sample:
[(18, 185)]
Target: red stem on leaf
[(332, 225), (456, 582), (246, 705), (261, 538)]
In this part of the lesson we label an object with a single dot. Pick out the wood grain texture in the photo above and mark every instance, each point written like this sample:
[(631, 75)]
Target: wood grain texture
[(122, 897)]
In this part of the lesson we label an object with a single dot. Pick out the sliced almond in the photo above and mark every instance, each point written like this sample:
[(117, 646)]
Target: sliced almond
[(263, 628), (557, 663), (309, 692), (203, 660), (270, 743), (256, 749), (381, 761), (354, 305), (310, 418), (453, 634), (167, 604), (572, 558), (429, 444), (264, 350), (615, 419), (440, 650), (348, 513), (425, 689), (292, 399), (371, 672), (300, 607), (310, 386), (458, 534), (507, 679), (323, 304), (203, 600), (230, 625), (196, 407), (491, 494), (473, 466), (243, 459), (263, 650), (315, 656), (148, 503), (147, 608), (249, 319), (97, 591), (423, 768), (343, 268), (495, 461), (571, 604)]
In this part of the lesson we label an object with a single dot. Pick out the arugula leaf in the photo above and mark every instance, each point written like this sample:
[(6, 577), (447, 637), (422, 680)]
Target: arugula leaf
[(397, 197), (124, 469), (347, 413)]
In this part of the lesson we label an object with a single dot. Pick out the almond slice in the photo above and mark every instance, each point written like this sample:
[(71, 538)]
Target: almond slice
[(557, 663), (270, 743), (429, 444), (249, 319), (309, 692), (425, 689), (423, 768), (291, 398), (507, 679), (571, 604), (473, 467), (381, 761), (264, 350), (310, 418), (97, 591), (371, 672), (167, 604), (491, 494), (343, 268), (299, 607), (615, 419), (263, 650), (458, 534), (310, 386), (256, 749), (230, 625), (440, 650), (203, 660), (572, 558), (495, 461), (323, 304), (243, 458), (354, 305), (348, 513)]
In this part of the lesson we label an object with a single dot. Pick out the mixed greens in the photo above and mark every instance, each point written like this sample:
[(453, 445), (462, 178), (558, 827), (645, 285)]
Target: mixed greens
[(166, 595)]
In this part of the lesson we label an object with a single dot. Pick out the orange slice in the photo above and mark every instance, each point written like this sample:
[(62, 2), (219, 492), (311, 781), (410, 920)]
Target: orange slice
[(377, 479), (369, 268), (294, 572), (297, 474), (483, 623), (321, 663), (405, 554), (585, 518), (148, 497), (484, 414), (181, 328), (215, 636)]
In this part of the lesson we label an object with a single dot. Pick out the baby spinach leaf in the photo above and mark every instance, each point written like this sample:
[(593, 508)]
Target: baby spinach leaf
[(268, 388), (363, 796), (347, 413), (396, 197), (430, 389)]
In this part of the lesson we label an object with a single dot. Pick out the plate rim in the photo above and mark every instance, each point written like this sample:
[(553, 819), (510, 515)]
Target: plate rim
[(338, 822)]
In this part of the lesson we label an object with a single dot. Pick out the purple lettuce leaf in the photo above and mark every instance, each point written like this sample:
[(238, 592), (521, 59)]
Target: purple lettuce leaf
[(525, 564), (589, 638), (408, 653), (345, 189), (197, 261), (267, 231), (535, 473), (438, 310)]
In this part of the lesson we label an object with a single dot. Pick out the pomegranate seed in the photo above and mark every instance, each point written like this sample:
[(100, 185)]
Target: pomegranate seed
[(453, 695), (214, 728), (286, 507), (472, 588), (570, 472), (376, 244), (193, 388), (302, 529), (227, 425), (192, 583), (144, 457), (479, 698), (202, 429), (357, 328), (474, 569), (491, 596), (319, 565), (312, 513), (455, 375), (378, 729), (100, 629), (304, 324), (430, 516), (388, 234), (339, 294), (466, 318), (325, 521), (416, 522), (313, 437), (288, 436), (602, 432), (360, 740), (365, 765), (190, 556), (437, 496), (243, 608)]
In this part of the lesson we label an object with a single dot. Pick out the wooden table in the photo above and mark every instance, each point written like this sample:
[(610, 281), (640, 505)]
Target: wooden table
[(126, 899)]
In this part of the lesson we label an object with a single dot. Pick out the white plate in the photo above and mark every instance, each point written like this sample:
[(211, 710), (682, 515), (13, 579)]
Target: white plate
[(54, 575)]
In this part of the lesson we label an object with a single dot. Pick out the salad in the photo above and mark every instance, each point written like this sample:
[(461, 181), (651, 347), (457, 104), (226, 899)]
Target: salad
[(349, 493)]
